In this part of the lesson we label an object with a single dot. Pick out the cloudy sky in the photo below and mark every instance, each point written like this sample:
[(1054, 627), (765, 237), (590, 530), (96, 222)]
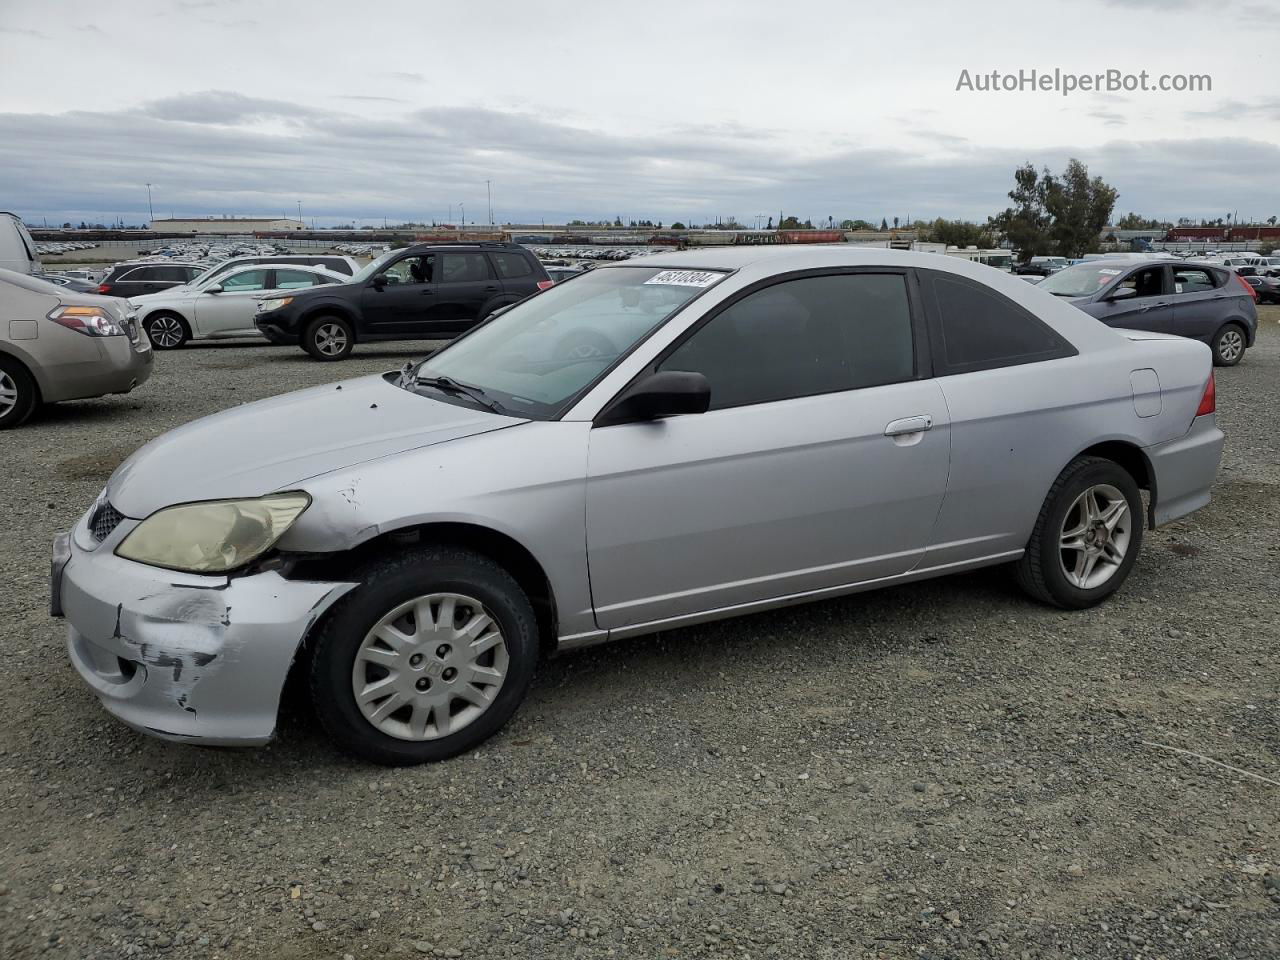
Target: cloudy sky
[(662, 110)]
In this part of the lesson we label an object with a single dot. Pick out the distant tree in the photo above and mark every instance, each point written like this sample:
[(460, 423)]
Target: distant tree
[(1080, 208), (790, 223), (884, 224), (67, 226), (895, 223), (1025, 225), (769, 225), (617, 221), (678, 226), (1271, 220), (960, 233)]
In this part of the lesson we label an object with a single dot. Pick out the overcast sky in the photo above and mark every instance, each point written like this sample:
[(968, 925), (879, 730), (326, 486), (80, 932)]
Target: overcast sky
[(661, 110)]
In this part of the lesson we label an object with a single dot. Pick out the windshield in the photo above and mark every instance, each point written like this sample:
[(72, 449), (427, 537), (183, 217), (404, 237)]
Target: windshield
[(539, 355), (1082, 280), (372, 267)]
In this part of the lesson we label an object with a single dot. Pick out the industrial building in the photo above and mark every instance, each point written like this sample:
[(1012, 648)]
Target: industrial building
[(224, 225)]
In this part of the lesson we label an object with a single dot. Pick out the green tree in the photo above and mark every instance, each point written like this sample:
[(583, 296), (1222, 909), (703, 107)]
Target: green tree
[(1025, 225), (960, 233), (790, 223), (1079, 208), (884, 224), (678, 226)]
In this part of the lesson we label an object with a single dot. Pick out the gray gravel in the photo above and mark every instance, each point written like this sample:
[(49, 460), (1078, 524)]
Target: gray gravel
[(940, 770)]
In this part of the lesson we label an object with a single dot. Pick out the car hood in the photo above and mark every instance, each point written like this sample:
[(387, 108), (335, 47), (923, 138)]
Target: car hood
[(276, 444)]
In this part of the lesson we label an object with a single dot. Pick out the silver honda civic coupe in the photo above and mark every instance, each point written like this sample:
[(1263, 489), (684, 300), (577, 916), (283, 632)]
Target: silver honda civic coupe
[(656, 444)]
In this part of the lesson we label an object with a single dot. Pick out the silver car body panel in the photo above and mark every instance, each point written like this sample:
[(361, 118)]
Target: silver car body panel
[(643, 526)]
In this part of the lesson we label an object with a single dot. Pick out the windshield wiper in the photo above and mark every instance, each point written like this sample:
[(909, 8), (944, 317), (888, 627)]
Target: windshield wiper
[(461, 389)]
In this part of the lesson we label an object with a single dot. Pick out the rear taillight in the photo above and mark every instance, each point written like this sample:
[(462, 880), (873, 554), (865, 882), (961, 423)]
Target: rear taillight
[(91, 321), (104, 288), (1208, 402), (1248, 286), (544, 284)]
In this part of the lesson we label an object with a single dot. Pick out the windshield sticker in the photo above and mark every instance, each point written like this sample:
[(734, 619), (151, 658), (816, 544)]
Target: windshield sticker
[(1177, 288), (686, 278), (1110, 273)]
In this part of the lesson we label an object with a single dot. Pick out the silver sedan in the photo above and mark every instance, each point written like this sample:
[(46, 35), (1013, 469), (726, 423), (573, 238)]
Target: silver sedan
[(656, 444)]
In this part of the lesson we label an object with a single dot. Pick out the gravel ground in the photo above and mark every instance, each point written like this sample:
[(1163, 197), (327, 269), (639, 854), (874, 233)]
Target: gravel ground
[(943, 769)]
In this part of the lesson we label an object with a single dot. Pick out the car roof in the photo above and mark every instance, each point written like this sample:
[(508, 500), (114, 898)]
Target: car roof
[(469, 247)]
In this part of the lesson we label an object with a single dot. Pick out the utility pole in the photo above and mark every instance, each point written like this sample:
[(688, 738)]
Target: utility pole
[(462, 213), (149, 209), (488, 189), (299, 213)]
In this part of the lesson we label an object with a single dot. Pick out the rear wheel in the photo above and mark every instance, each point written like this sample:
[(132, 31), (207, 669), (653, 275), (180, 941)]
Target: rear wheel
[(18, 393), (1087, 537), (328, 338), (428, 658), (1228, 346), (166, 331)]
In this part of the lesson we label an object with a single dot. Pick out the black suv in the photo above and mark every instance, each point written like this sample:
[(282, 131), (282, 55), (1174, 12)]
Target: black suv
[(135, 279), (424, 292)]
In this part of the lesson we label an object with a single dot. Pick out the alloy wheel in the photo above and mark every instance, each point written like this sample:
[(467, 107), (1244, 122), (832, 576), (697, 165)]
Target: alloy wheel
[(8, 393), (430, 667), (165, 332), (330, 339), (1095, 536), (1230, 345)]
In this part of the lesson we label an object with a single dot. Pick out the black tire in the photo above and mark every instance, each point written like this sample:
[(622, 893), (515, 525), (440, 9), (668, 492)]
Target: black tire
[(1228, 345), (329, 338), (388, 583), (1040, 571), (19, 394), (166, 331)]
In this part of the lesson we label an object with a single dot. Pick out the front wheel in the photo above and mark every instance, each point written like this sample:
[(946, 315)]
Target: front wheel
[(427, 659), (328, 338), (1228, 346), (1087, 537), (166, 331)]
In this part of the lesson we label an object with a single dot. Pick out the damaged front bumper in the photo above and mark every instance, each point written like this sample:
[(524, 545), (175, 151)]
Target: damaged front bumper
[(182, 656)]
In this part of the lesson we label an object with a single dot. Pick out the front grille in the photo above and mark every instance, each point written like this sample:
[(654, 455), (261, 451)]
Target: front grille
[(105, 519)]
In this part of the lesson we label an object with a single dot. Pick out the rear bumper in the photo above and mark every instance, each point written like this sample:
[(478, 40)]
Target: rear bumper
[(107, 365), (1184, 470)]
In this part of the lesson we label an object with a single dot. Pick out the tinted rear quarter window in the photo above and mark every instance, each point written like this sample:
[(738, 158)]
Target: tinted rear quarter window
[(1187, 280), (977, 328), (463, 268), (511, 266)]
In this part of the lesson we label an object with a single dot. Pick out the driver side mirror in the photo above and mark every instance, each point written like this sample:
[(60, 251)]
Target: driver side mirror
[(669, 393), (379, 281), (1122, 293), (213, 288)]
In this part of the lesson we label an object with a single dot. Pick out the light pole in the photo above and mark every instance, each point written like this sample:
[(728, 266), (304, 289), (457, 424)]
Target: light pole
[(462, 213), (489, 192), (299, 214), (150, 211)]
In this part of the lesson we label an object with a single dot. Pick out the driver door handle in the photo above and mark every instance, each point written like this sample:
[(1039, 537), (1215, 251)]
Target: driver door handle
[(900, 428)]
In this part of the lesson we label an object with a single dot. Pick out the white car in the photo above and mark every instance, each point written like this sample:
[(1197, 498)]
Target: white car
[(221, 306)]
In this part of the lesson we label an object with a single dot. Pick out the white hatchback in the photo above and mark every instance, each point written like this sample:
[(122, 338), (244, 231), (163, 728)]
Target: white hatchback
[(224, 305)]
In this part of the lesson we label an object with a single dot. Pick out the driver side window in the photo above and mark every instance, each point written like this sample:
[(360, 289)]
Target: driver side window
[(245, 282), (410, 270), (1145, 283)]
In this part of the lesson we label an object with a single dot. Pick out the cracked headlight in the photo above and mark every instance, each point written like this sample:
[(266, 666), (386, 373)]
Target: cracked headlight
[(273, 303), (214, 536)]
